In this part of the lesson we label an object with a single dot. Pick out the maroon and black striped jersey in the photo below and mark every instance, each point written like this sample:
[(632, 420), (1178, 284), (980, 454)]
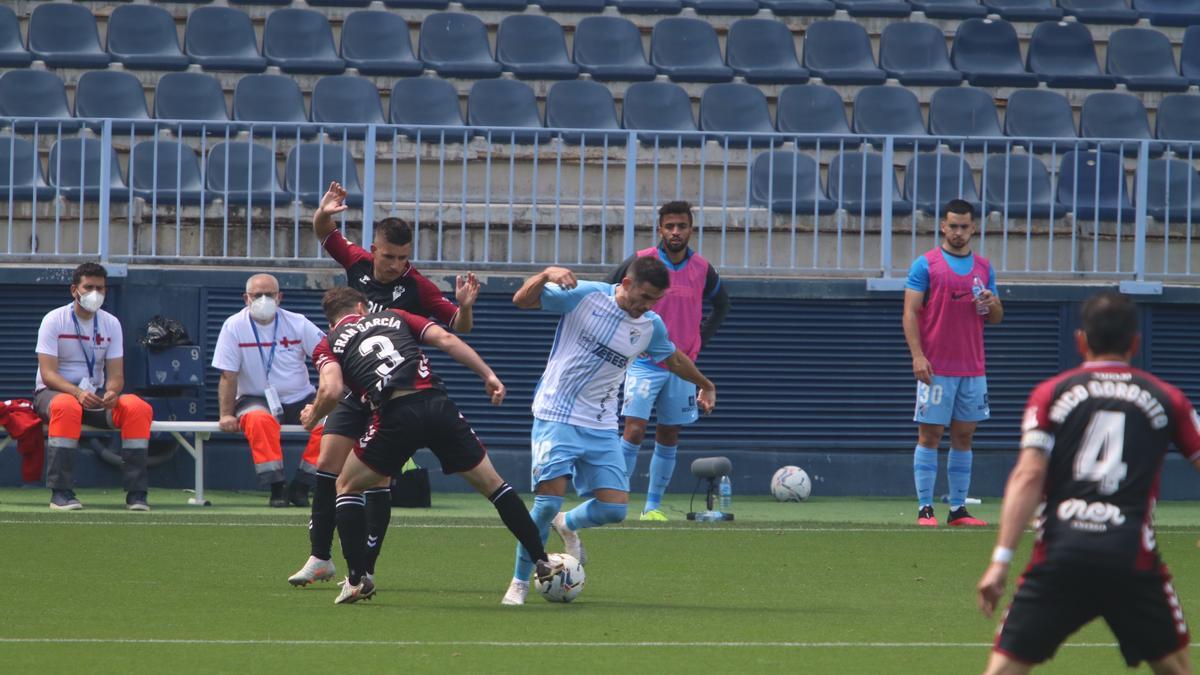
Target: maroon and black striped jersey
[(410, 292), (379, 353), (1106, 429)]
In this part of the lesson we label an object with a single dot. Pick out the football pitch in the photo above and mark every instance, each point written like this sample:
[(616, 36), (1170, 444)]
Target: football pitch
[(829, 586)]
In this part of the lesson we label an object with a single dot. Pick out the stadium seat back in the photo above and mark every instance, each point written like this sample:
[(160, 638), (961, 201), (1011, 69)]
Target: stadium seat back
[(64, 35), (686, 50), (143, 36), (534, 47), (222, 38), (764, 52), (610, 48)]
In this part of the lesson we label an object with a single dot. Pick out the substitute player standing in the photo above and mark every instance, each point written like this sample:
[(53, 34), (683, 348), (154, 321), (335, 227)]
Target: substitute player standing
[(1092, 449), (649, 386), (949, 295)]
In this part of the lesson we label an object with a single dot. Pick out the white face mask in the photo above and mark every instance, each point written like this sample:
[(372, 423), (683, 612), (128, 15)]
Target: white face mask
[(91, 301), (262, 308)]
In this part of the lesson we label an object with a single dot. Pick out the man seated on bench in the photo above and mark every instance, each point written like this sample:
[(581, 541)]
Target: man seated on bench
[(81, 372)]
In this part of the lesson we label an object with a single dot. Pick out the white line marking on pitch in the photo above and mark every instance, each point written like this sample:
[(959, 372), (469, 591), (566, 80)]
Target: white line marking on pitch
[(68, 520), (497, 643)]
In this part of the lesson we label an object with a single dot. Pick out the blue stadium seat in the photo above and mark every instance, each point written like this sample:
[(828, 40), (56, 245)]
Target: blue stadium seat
[(986, 51), (35, 93), (814, 109), (339, 100), (26, 182), (723, 7), (949, 9), (456, 45), (788, 182), (578, 6), (582, 104), (115, 94), (239, 172), (882, 110), (166, 171), (1173, 191), (610, 48), (1100, 11), (933, 178), (764, 52), (221, 38), (64, 35), (1093, 186), (426, 102), (301, 41), (800, 7), (1142, 59), (1024, 10), (729, 108), (376, 43), (660, 106), (1063, 54), (1178, 119), (915, 53), (839, 52), (74, 171), (647, 6), (505, 103), (884, 8), (192, 96), (1018, 185), (686, 50), (338, 3), (1189, 55), (533, 47), (311, 167), (1040, 114), (855, 183), (143, 36), (260, 2), (1169, 12), (275, 103), (1110, 114), (495, 5), (964, 111), (417, 4), (12, 48)]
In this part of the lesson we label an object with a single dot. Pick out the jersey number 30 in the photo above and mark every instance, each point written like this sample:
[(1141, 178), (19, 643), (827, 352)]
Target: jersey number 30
[(1099, 457), (382, 347)]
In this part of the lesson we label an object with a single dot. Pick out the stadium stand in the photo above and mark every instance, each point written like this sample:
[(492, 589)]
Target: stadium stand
[(1025, 10), (505, 103), (814, 109), (949, 9), (964, 111), (579, 6), (821, 8), (21, 177), (581, 104), (734, 107), (426, 102), (915, 54), (113, 94), (1173, 191), (986, 51), (1142, 59), (273, 99), (1169, 12), (659, 106), (533, 47), (1178, 119), (417, 4), (1017, 185), (724, 7), (788, 182), (1111, 114), (240, 172), (610, 48), (1100, 11), (1189, 55), (494, 5), (933, 178), (74, 170), (143, 36), (648, 6), (191, 96), (855, 180), (880, 8), (1040, 114), (65, 36), (222, 38), (1063, 54), (347, 100), (12, 48), (35, 93), (165, 171), (686, 50), (1092, 185), (310, 168), (300, 41), (377, 43), (456, 45), (889, 111), (763, 52), (839, 52)]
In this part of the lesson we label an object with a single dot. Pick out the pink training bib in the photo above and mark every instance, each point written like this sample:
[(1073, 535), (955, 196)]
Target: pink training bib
[(951, 329)]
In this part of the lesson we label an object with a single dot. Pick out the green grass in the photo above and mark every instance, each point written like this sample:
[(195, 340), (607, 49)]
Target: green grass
[(188, 589)]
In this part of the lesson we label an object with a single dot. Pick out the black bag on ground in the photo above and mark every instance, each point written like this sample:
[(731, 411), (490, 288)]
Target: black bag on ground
[(410, 489)]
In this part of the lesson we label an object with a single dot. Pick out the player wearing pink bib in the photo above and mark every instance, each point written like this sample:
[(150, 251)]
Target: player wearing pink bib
[(949, 295)]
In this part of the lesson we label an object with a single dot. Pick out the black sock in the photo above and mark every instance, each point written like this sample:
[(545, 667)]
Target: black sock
[(352, 529), (379, 515), (516, 518), (323, 520)]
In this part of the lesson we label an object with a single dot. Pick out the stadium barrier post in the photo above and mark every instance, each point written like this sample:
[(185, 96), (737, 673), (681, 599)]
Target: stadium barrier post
[(1139, 233), (627, 246), (368, 210), (885, 210), (105, 194)]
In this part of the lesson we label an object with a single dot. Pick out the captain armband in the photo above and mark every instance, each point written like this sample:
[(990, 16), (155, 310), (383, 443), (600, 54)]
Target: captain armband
[(1036, 438)]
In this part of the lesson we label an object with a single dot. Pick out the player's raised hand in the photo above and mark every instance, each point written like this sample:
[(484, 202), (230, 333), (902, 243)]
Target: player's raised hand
[(706, 400), (922, 370), (495, 389), (466, 289), (333, 201), (991, 587), (562, 276)]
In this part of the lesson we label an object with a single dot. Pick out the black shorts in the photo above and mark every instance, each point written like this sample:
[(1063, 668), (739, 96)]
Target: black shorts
[(1053, 600), (348, 419), (426, 419)]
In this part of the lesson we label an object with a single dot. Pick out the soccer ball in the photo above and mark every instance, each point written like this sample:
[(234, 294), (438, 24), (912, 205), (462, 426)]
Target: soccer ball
[(791, 484), (567, 582)]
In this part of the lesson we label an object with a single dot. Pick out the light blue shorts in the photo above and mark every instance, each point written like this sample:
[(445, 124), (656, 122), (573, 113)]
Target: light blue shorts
[(648, 387), (592, 457), (952, 398)]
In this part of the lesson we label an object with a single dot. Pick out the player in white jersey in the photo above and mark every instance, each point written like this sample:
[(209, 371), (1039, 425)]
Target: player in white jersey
[(603, 329)]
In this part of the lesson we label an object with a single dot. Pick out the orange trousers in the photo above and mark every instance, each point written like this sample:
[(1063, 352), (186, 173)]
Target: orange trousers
[(262, 432), (132, 416)]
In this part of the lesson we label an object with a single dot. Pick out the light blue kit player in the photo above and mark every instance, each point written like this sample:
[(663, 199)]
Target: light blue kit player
[(603, 329)]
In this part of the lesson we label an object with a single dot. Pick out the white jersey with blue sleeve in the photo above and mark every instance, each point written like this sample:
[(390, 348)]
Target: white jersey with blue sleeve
[(594, 345)]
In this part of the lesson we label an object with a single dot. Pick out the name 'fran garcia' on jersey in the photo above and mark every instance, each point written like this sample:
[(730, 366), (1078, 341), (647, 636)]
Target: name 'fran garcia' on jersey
[(348, 334), (1110, 386)]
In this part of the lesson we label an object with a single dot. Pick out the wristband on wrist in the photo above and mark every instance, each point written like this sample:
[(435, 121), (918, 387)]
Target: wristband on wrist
[(1002, 555)]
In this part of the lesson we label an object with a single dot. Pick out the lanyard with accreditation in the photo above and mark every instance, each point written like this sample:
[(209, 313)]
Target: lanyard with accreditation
[(89, 352), (269, 391)]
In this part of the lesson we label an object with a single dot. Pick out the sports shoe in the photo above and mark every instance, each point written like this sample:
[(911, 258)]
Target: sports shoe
[(297, 494), (64, 500), (925, 517), (365, 590), (278, 500), (570, 539), (136, 501), (314, 569), (516, 593), (960, 518), (655, 515)]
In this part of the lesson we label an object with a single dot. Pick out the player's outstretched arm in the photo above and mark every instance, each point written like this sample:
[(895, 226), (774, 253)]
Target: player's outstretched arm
[(913, 301), (436, 336), (684, 367), (332, 203), (1022, 495), (329, 392), (466, 292), (529, 296)]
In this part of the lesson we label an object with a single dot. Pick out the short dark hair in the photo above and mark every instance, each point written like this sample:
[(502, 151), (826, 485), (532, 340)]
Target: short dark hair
[(960, 207), (675, 207), (1110, 322), (340, 301), (394, 231), (648, 269), (89, 269)]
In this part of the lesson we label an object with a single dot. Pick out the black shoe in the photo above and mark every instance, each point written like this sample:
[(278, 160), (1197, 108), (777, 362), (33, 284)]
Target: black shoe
[(297, 493), (278, 500), (544, 570), (136, 501), (960, 518)]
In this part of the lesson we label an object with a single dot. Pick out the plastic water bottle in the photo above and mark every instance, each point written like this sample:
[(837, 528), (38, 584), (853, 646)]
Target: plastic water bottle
[(977, 289), (725, 490)]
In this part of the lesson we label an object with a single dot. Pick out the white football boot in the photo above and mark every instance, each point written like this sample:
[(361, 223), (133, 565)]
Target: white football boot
[(516, 593), (571, 543), (314, 570)]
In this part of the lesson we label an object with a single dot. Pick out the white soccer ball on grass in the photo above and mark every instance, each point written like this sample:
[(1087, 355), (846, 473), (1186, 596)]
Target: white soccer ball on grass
[(567, 582), (791, 484)]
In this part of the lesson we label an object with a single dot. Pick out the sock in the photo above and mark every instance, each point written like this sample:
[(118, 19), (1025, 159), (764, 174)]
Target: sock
[(662, 466), (925, 464), (545, 508), (958, 473), (352, 529), (323, 520), (594, 513), (631, 453), (379, 515)]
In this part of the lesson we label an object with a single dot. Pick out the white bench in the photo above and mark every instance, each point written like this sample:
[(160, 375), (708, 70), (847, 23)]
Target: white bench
[(201, 432)]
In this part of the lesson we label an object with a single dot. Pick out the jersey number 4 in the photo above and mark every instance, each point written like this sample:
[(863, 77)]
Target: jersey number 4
[(1099, 457), (382, 347)]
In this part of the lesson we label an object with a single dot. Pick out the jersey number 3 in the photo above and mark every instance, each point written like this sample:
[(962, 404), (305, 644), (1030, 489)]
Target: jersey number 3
[(1099, 457), (382, 347)]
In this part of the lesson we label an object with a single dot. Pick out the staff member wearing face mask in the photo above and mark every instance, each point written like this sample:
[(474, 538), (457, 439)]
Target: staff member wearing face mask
[(81, 372), (261, 354)]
